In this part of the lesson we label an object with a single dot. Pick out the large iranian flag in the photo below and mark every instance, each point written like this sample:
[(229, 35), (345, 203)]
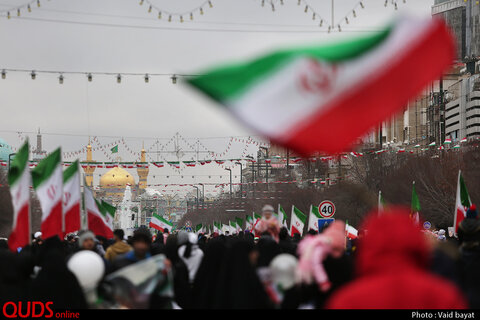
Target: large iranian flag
[(323, 97), (47, 178), (313, 218), (96, 218), (19, 179), (159, 223), (297, 221), (72, 197), (462, 203)]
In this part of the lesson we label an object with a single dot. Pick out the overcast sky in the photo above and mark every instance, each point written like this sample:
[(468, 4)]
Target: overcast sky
[(120, 36)]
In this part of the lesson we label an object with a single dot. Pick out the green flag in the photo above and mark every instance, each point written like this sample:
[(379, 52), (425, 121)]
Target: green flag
[(114, 149)]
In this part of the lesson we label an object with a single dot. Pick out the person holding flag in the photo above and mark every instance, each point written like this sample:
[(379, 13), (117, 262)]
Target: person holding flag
[(268, 223)]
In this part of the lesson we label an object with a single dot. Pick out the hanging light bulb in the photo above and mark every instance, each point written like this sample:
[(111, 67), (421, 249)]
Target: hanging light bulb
[(339, 28), (299, 2), (33, 75), (119, 78), (362, 5), (313, 17), (329, 29), (150, 9), (346, 20), (29, 8), (174, 79), (146, 78), (159, 14), (170, 18), (321, 22), (191, 16), (201, 10), (306, 9), (4, 74), (89, 77), (141, 2), (281, 2), (181, 19), (273, 7), (210, 4), (396, 6), (60, 79), (38, 3), (18, 12), (8, 15), (263, 3), (386, 2), (354, 14)]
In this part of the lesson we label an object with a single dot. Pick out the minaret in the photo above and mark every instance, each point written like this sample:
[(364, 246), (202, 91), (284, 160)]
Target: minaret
[(39, 154), (142, 172), (88, 169)]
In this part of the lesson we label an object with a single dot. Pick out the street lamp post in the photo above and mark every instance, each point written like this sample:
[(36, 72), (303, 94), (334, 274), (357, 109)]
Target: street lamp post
[(230, 180), (266, 164), (197, 195), (203, 193), (10, 158), (241, 179)]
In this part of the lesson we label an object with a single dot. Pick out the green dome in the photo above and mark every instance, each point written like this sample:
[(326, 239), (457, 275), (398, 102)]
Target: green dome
[(5, 150)]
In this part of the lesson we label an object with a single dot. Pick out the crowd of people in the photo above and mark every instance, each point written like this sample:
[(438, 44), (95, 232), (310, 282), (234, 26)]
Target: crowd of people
[(392, 264)]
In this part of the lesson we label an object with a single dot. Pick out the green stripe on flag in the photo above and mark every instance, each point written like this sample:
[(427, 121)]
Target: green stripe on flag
[(316, 212), (230, 81), (464, 197), (18, 164), (70, 171), (109, 208), (239, 221), (45, 168), (300, 214)]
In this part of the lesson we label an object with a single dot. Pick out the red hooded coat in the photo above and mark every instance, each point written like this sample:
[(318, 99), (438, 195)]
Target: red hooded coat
[(392, 270)]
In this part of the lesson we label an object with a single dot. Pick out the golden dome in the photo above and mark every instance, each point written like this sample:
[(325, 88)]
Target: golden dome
[(116, 178)]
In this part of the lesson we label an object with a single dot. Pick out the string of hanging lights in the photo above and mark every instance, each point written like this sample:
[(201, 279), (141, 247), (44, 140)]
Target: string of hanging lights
[(89, 75), (176, 15), (18, 9), (332, 26)]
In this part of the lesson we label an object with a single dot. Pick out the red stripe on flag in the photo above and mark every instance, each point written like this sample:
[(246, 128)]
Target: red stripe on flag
[(97, 226), (20, 236), (52, 225), (72, 219)]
